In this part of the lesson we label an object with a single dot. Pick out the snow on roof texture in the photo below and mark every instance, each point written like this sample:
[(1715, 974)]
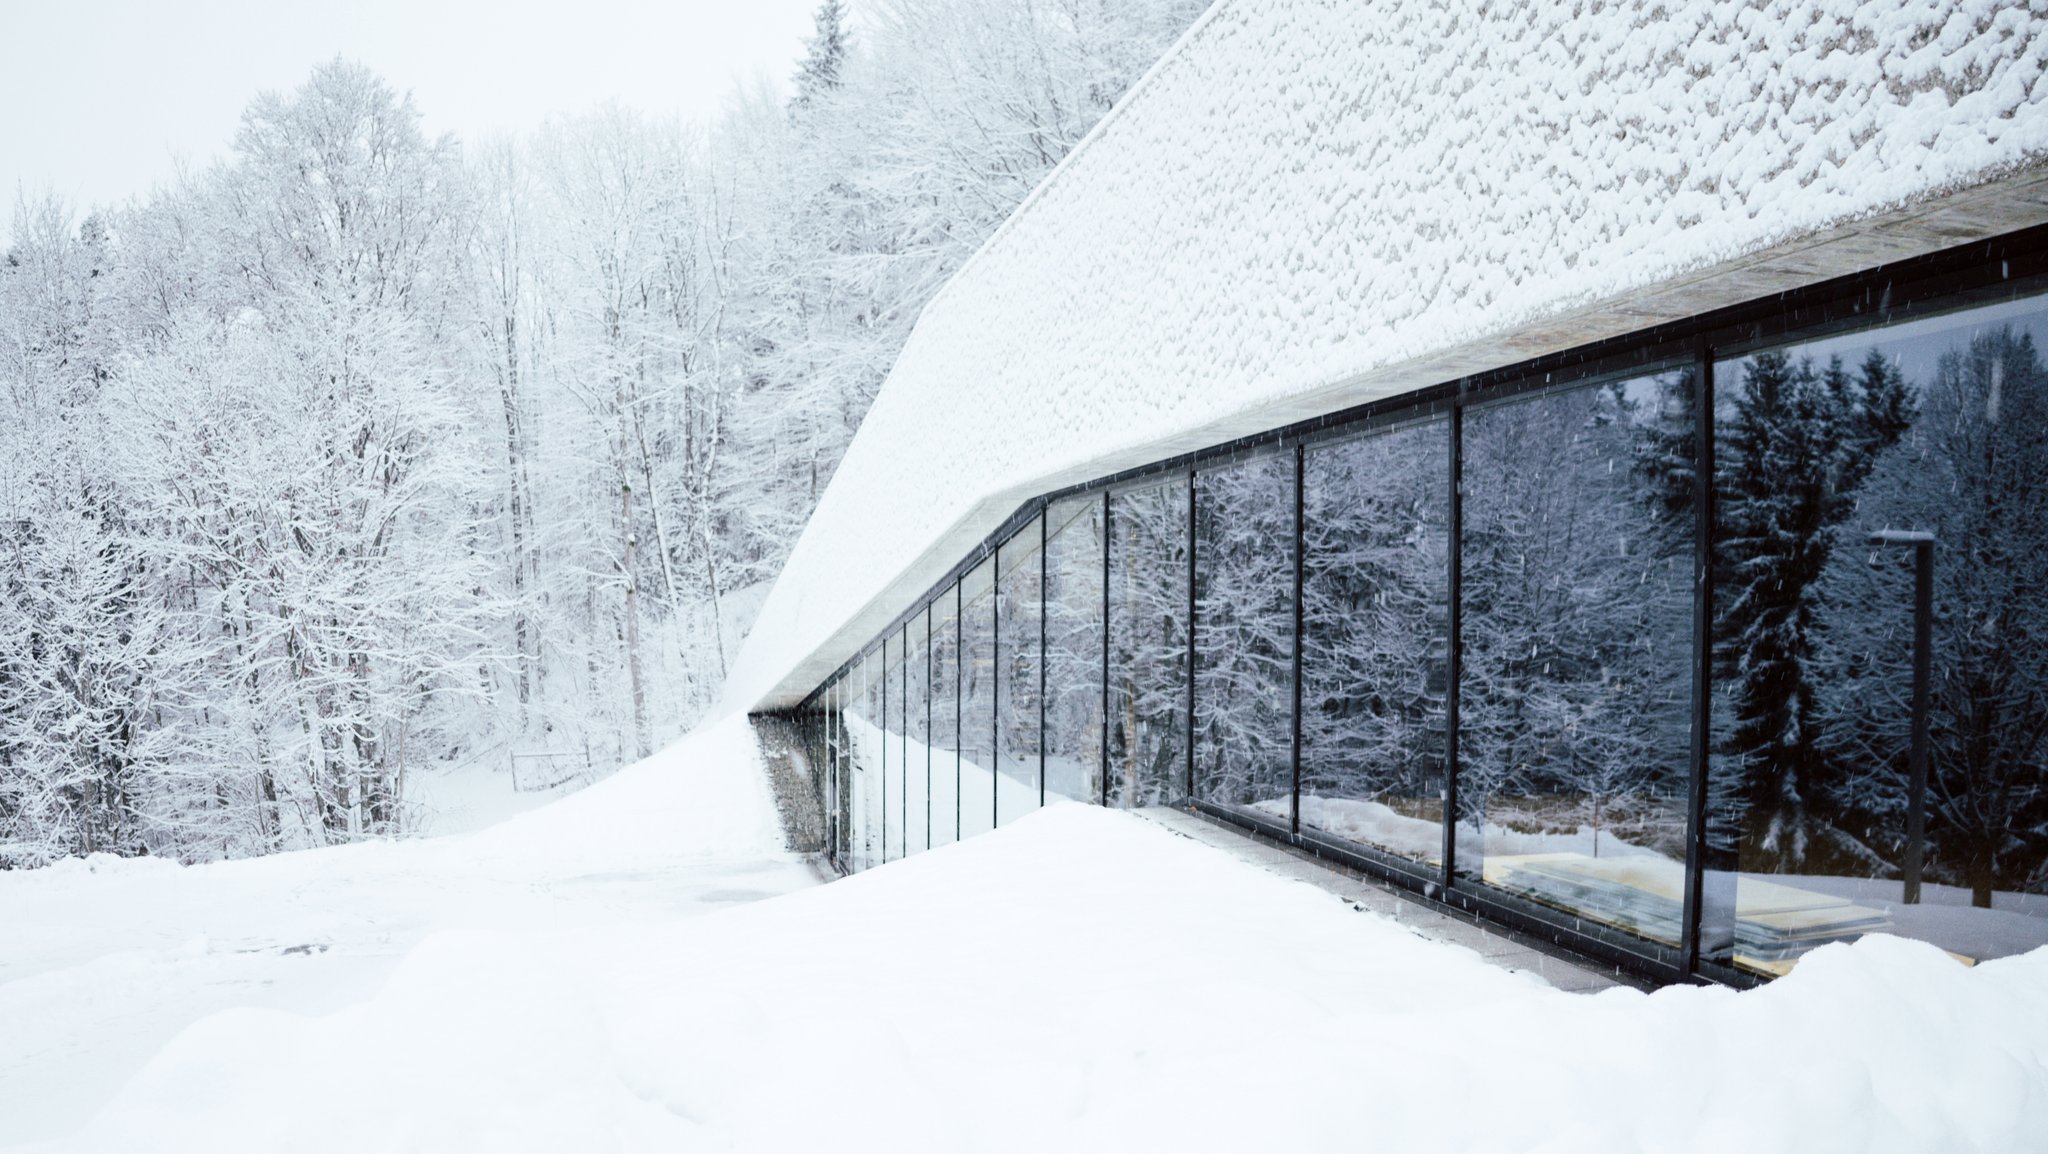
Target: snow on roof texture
[(1310, 196)]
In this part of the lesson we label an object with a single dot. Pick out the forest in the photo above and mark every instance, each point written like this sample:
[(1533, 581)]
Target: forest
[(359, 453)]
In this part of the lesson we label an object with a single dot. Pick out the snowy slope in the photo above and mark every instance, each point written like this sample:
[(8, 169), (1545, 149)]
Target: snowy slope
[(1314, 202), (104, 960), (1086, 980)]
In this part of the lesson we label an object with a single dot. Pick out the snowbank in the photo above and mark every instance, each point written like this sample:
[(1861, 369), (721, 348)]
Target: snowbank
[(1311, 203), (1084, 979), (103, 961)]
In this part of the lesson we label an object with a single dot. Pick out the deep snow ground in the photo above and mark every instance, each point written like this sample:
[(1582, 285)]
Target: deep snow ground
[(104, 961), (1081, 979)]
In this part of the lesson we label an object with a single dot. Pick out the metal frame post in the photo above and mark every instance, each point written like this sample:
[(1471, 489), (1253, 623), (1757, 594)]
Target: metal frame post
[(959, 692), (1102, 786), (995, 687), (1923, 676), (1191, 640), (1044, 656), (929, 687), (1454, 656), (884, 773), (1700, 753), (903, 758)]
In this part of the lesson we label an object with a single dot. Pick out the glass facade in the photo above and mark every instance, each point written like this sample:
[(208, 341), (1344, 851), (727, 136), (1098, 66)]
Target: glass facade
[(946, 717), (1244, 635), (1576, 615), (1690, 652), (1148, 645), (1020, 648), (1376, 638), (1074, 693), (978, 699), (1841, 467)]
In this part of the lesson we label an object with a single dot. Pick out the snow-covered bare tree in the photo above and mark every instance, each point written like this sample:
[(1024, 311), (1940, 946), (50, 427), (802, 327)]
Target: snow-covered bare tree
[(351, 454)]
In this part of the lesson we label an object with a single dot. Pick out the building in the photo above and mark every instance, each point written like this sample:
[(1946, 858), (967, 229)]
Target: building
[(1450, 437)]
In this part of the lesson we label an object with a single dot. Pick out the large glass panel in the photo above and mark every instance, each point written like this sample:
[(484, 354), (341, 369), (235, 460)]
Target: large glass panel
[(1933, 434), (1576, 621), (1244, 635), (1375, 639), (946, 717), (917, 704), (1018, 661), (899, 745), (889, 704), (978, 700), (1073, 607), (1148, 660), (863, 748)]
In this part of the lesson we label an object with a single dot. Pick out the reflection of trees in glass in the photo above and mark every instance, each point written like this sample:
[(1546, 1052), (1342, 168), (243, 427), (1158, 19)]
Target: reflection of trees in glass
[(1794, 443), (1576, 617), (1973, 470), (1017, 636), (1244, 631), (946, 718), (916, 766), (1148, 644), (1375, 575), (1073, 633), (977, 697)]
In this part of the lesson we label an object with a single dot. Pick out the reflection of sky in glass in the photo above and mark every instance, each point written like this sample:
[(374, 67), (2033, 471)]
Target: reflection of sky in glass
[(1916, 347)]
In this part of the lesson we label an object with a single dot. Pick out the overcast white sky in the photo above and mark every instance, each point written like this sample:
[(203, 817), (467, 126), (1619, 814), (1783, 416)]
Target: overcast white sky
[(99, 99)]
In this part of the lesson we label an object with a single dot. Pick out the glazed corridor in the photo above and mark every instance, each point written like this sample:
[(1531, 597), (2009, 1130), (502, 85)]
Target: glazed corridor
[(1602, 646)]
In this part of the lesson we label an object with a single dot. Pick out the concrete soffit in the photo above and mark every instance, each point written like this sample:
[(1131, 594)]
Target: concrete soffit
[(2008, 203)]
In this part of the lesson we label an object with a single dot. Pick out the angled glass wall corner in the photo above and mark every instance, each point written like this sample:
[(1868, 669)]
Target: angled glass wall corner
[(1019, 637), (1576, 619), (1074, 565), (1244, 635), (1375, 638), (978, 699), (1148, 644), (1842, 466), (947, 716)]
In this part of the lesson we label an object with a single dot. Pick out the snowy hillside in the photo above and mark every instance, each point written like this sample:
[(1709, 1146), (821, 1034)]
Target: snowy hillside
[(580, 979)]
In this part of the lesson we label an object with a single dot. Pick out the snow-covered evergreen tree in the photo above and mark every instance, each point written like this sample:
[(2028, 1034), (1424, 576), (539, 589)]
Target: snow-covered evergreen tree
[(1794, 444), (825, 53)]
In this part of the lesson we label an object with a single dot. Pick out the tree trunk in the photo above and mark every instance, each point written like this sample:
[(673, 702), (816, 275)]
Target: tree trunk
[(522, 644), (640, 742)]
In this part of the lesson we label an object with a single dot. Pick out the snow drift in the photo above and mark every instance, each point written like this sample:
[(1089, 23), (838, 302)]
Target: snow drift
[(1085, 979)]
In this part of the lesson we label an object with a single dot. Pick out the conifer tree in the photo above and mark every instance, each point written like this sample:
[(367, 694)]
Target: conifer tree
[(1793, 449), (825, 50)]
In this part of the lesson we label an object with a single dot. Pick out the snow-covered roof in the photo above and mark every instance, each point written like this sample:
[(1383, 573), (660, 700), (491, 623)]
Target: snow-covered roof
[(1309, 204)]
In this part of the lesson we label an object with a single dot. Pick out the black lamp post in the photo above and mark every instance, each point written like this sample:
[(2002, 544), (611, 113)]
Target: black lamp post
[(1923, 646)]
